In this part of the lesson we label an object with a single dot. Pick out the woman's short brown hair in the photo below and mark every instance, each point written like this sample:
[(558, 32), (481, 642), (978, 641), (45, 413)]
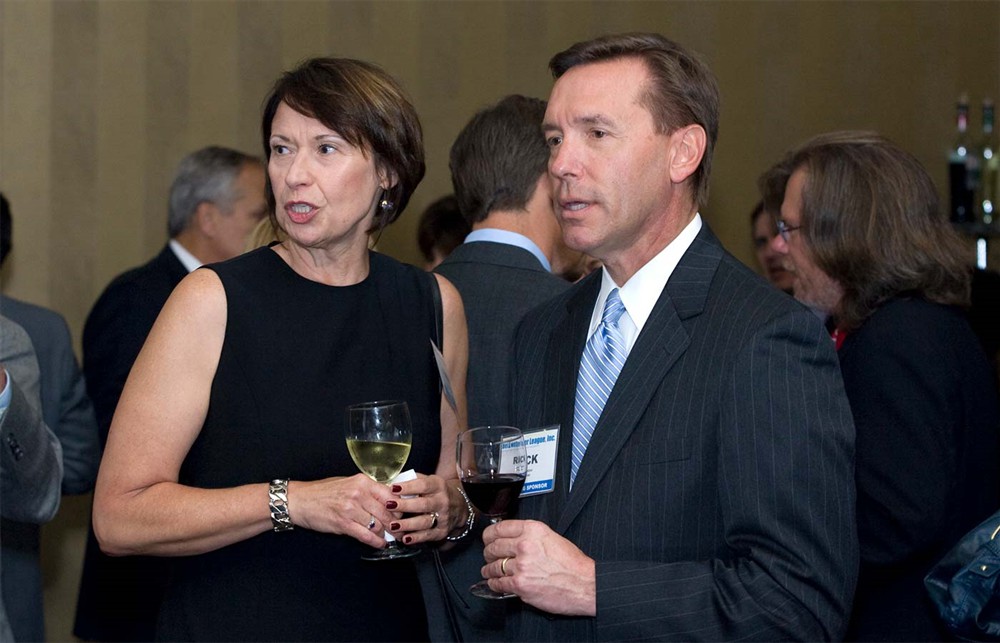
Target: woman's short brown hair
[(872, 220), (365, 105)]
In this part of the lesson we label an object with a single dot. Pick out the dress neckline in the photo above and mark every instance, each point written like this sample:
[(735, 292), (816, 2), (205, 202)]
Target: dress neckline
[(292, 273)]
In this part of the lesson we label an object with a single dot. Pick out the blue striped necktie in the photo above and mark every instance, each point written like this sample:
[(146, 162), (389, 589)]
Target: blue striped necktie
[(603, 358)]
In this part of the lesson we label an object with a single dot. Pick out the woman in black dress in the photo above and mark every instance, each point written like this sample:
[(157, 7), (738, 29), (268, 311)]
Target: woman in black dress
[(245, 377)]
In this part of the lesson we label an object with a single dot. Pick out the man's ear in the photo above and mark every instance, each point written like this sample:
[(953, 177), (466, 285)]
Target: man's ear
[(207, 218), (687, 149)]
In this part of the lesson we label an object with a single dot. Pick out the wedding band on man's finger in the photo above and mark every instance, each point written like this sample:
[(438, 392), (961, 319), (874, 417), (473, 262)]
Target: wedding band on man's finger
[(371, 523), (503, 566)]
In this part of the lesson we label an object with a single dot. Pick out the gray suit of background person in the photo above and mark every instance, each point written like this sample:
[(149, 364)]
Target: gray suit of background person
[(216, 199), (67, 411), (503, 270), (31, 466), (714, 499)]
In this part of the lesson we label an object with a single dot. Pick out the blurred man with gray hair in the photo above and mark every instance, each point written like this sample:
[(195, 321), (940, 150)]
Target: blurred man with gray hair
[(216, 199)]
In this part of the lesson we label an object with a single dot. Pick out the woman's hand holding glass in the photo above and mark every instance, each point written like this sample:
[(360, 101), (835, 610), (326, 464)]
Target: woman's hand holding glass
[(344, 506), (433, 507)]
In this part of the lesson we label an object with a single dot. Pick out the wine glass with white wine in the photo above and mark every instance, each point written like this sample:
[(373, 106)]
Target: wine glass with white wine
[(378, 438), (492, 466)]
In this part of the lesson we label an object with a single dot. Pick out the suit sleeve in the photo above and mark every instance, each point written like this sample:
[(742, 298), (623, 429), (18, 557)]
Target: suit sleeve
[(77, 425), (30, 462), (115, 332), (786, 478)]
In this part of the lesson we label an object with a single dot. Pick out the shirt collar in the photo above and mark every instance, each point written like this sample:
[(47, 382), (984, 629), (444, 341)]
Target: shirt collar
[(189, 261), (511, 239), (640, 293)]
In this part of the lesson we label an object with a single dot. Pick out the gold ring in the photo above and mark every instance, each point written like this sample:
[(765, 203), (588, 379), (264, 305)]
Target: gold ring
[(503, 566), (434, 519)]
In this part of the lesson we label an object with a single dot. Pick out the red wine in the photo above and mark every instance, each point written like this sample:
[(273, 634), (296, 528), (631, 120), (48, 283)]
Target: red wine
[(494, 495)]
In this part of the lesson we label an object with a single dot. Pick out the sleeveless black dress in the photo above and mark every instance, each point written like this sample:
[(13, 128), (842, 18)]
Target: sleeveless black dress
[(295, 354)]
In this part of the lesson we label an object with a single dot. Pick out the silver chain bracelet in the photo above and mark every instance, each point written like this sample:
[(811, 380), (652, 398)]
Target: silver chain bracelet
[(277, 494), (468, 523)]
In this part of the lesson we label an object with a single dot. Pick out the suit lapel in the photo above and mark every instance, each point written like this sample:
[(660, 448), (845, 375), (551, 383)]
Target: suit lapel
[(564, 350), (662, 341)]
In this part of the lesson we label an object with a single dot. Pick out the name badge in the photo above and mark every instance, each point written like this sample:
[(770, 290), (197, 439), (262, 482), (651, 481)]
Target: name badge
[(540, 445)]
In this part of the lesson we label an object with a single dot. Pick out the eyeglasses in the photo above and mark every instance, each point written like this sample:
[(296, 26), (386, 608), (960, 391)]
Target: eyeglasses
[(785, 230)]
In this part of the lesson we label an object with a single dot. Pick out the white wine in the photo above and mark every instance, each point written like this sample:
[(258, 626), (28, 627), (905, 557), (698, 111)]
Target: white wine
[(380, 461)]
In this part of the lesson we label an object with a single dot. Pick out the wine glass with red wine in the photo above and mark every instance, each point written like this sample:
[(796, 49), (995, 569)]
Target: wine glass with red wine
[(492, 464)]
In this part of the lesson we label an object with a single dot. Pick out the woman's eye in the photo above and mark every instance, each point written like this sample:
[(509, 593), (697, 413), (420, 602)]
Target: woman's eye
[(553, 141), (279, 149)]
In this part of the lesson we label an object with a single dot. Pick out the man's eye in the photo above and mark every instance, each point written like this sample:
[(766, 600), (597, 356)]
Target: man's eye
[(599, 133), (326, 148), (553, 141)]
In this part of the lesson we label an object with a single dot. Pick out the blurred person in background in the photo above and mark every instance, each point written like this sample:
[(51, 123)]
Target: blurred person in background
[(67, 411), (869, 245), (763, 231), (503, 270), (31, 468), (216, 198), (441, 229)]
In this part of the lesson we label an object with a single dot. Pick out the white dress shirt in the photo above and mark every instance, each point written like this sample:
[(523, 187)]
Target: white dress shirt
[(639, 294)]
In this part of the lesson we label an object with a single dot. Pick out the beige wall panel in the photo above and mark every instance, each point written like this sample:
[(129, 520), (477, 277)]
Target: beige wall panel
[(213, 75), (526, 31), (307, 31), (116, 224), (262, 54), (74, 155), (26, 30), (456, 71), (168, 118), (401, 37), (353, 31)]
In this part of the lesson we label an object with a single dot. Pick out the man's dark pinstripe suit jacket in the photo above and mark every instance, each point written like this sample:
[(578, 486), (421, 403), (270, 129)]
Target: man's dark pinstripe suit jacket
[(717, 493)]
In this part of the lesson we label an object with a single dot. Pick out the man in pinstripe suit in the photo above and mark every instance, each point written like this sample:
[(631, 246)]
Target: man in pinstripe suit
[(715, 499)]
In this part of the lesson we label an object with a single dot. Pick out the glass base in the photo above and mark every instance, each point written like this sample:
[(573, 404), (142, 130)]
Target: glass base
[(482, 590), (391, 552)]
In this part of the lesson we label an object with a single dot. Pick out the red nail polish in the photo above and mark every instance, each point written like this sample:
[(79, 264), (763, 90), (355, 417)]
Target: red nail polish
[(394, 526), (391, 504), (408, 540), (396, 489)]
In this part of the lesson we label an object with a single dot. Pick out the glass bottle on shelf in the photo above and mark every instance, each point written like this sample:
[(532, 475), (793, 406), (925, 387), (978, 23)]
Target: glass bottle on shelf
[(989, 164), (959, 178)]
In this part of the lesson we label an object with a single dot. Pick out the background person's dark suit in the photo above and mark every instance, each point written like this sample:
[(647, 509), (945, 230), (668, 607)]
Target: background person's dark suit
[(66, 408), (717, 493), (67, 411), (31, 468), (925, 407), (499, 283), (119, 597)]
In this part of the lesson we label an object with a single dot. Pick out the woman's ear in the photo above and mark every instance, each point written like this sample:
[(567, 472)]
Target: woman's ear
[(387, 179), (687, 149)]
